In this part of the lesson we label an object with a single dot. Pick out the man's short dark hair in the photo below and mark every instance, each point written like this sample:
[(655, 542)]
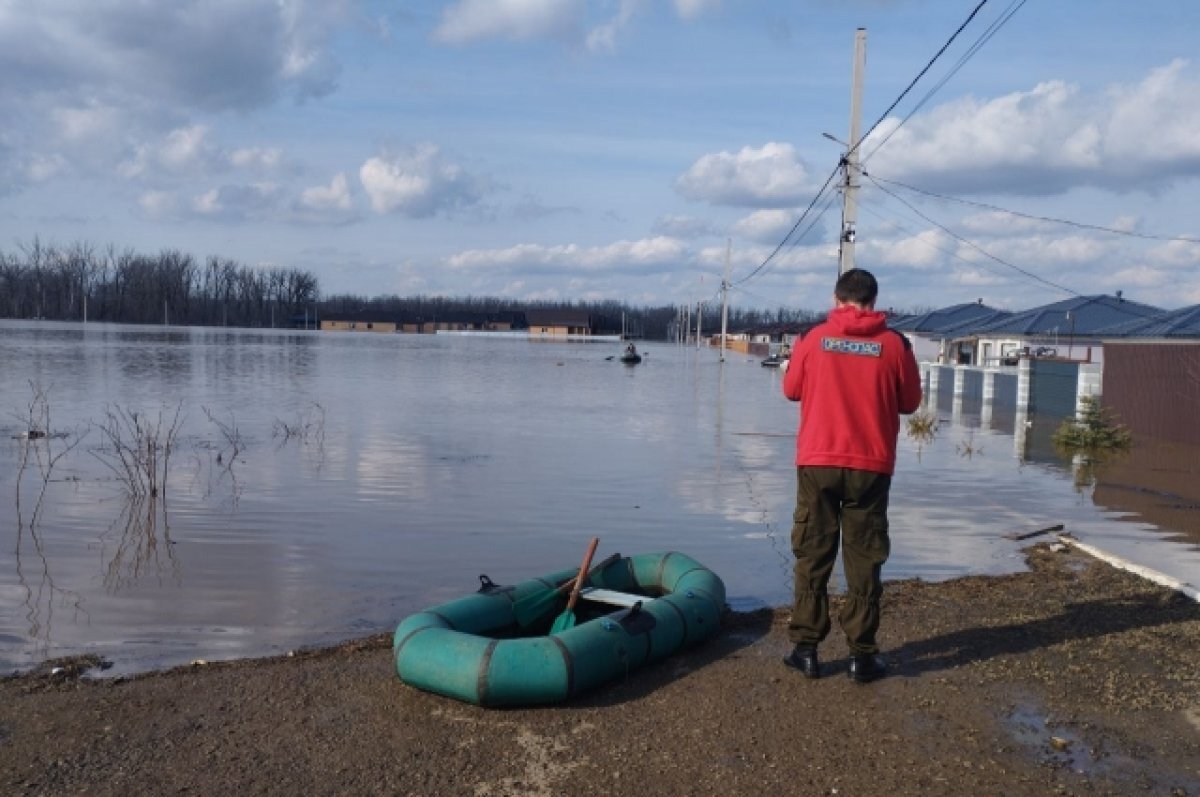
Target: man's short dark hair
[(857, 285)]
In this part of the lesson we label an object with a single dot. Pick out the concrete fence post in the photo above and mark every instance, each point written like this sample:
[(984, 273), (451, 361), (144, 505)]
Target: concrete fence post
[(1089, 383)]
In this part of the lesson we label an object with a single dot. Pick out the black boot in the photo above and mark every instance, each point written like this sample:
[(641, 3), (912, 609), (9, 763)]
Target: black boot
[(866, 667), (804, 659)]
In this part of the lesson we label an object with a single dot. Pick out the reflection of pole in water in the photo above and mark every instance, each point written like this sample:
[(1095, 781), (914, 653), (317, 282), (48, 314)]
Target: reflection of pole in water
[(989, 398), (1021, 425), (720, 412)]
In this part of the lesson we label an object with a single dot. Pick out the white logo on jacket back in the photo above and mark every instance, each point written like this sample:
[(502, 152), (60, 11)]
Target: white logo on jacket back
[(863, 348)]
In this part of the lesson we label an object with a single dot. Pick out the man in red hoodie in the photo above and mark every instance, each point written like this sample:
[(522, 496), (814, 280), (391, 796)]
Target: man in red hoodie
[(853, 377)]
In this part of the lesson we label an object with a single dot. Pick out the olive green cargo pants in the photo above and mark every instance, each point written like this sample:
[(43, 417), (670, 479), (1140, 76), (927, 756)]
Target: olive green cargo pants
[(850, 506)]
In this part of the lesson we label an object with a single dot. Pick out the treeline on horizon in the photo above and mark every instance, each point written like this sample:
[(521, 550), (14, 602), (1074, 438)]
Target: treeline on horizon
[(83, 282), (608, 316)]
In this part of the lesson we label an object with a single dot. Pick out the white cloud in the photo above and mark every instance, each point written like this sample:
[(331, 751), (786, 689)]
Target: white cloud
[(183, 149), (769, 176), (157, 204), (190, 151), (1126, 223), (677, 226), (238, 203), (1038, 252), (996, 222), (603, 37), (216, 55), (207, 203), (335, 196), (766, 226), (689, 9), (516, 20), (647, 254), (923, 250), (418, 183), (1136, 277), (44, 167), (971, 277), (1051, 138), (264, 158), (1176, 254), (85, 123)]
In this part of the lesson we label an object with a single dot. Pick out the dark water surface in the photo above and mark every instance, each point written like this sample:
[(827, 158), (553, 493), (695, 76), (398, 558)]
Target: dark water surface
[(323, 485)]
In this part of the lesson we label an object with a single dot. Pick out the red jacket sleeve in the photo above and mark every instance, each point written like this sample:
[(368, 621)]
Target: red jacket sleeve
[(793, 377), (910, 382)]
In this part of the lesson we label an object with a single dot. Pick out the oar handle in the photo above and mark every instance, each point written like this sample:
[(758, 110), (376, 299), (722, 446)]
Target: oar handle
[(566, 586), (583, 569)]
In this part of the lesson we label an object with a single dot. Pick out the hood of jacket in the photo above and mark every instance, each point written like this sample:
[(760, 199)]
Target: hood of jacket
[(851, 320)]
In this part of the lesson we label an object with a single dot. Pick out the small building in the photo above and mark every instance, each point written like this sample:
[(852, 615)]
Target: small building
[(1068, 329), (762, 341), (360, 322), (559, 323), (936, 335), (1152, 374)]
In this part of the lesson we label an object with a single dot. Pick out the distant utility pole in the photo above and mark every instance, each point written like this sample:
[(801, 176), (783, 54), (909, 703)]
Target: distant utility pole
[(850, 164), (725, 296), (699, 318)]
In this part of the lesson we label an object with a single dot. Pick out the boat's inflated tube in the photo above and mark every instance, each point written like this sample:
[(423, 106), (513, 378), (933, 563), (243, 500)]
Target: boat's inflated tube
[(465, 649)]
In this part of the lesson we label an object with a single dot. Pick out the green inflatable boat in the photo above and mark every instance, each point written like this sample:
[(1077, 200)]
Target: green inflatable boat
[(635, 610)]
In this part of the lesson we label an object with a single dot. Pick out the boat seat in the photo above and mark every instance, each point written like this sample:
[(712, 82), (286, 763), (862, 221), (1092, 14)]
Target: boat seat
[(612, 597)]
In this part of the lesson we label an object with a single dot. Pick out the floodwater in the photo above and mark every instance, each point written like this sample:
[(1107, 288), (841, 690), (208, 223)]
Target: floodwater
[(311, 487)]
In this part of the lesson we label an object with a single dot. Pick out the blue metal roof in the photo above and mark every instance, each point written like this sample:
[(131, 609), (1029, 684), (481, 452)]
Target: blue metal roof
[(1181, 323), (939, 321), (1081, 315)]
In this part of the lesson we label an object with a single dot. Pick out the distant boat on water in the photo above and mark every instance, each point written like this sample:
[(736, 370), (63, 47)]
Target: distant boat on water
[(778, 358)]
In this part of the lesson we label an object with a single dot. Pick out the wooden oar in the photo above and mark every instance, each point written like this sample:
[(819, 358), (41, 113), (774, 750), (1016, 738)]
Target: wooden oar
[(532, 609), (567, 618)]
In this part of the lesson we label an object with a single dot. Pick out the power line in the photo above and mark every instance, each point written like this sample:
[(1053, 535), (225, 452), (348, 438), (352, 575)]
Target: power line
[(855, 144), (799, 221), (983, 39), (830, 198), (969, 243), (1032, 217), (751, 294), (943, 250)]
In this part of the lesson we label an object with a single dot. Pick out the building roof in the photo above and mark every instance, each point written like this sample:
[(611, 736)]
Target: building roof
[(1081, 315), (1181, 323), (948, 318)]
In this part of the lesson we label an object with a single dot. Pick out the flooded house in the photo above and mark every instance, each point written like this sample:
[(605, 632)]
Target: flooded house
[(934, 334)]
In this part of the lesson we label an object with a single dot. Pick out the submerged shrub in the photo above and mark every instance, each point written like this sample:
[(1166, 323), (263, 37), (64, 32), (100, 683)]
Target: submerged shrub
[(1092, 431), (922, 425)]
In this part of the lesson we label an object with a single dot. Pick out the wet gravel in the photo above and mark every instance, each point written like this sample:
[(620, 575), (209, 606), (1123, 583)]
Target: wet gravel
[(1072, 678)]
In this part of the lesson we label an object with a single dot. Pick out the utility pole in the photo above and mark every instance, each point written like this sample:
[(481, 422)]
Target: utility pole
[(699, 318), (850, 164)]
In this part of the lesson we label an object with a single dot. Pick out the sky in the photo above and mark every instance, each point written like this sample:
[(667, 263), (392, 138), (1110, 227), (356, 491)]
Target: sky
[(616, 149)]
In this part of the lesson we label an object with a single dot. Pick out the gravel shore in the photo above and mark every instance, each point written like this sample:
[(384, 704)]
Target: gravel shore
[(1071, 678)]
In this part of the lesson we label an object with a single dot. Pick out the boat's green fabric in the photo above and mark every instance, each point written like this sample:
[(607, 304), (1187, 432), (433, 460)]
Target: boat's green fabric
[(464, 649)]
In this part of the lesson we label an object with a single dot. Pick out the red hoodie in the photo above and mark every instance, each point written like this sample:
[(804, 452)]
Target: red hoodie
[(853, 377)]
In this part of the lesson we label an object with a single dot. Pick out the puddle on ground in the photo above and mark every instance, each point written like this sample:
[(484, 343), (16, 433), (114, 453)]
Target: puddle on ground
[(1060, 746)]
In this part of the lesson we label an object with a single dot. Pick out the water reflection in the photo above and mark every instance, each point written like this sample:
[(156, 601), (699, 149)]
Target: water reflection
[(321, 486), (132, 546), (1156, 482)]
